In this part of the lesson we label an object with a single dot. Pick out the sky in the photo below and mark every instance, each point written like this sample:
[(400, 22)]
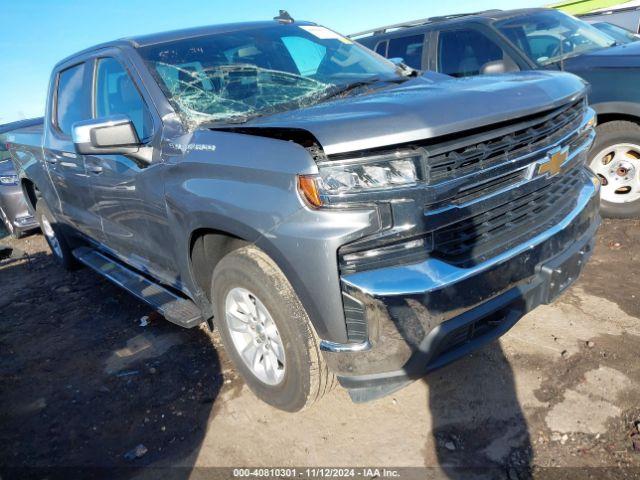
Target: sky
[(36, 34)]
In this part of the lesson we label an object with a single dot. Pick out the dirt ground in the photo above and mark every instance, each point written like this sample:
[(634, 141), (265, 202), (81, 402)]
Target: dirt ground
[(83, 383)]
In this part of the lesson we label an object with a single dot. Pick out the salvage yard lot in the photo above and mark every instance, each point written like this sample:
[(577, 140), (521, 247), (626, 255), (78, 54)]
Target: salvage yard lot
[(83, 383)]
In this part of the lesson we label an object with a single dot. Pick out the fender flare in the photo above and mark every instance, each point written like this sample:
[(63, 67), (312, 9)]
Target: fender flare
[(629, 109)]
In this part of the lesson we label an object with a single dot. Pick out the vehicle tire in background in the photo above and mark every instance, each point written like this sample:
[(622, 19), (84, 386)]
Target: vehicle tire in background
[(54, 236), (615, 159), (266, 331)]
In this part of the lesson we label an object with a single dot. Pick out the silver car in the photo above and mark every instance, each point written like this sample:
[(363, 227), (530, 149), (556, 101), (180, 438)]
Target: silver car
[(14, 213)]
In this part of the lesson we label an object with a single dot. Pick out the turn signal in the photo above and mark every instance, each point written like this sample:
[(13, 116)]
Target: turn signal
[(309, 189)]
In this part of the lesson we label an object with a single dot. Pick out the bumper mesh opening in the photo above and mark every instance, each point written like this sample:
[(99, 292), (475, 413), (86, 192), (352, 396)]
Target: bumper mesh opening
[(469, 332)]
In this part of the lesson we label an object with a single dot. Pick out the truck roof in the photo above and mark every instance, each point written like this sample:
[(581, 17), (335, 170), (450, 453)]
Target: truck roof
[(181, 34)]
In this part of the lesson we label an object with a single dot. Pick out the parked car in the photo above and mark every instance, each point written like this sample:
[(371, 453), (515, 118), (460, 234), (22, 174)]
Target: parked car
[(332, 213), (540, 39), (627, 17), (619, 34), (14, 214)]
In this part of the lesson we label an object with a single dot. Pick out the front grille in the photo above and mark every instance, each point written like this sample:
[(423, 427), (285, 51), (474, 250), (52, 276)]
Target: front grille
[(475, 239), (449, 161), (471, 208)]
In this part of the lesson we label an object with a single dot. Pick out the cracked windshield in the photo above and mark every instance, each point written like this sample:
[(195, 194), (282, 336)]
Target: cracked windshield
[(233, 77)]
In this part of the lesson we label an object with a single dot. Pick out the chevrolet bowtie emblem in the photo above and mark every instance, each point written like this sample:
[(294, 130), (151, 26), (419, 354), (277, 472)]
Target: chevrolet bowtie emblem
[(554, 164)]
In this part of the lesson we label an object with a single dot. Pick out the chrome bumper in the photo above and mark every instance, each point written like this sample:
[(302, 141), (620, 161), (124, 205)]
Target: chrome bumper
[(404, 305)]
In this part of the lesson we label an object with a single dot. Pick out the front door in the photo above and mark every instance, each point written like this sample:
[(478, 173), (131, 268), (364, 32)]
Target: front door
[(127, 194)]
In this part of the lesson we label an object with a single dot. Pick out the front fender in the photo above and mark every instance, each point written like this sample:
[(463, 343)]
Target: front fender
[(624, 108), (247, 187)]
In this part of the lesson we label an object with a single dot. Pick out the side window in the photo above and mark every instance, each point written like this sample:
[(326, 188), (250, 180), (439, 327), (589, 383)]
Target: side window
[(408, 48), (462, 53), (307, 55), (116, 94), (72, 100), (381, 48)]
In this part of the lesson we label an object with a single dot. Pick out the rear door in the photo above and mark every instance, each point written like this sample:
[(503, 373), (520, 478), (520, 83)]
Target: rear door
[(70, 103)]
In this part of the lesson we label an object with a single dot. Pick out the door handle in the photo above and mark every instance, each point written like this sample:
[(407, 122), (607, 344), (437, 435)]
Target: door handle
[(51, 160), (94, 169)]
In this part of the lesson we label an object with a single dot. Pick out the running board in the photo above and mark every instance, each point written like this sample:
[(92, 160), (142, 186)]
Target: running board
[(174, 308)]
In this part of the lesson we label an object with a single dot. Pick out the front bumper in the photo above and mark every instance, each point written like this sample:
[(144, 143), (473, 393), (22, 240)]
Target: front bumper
[(422, 316), (15, 207)]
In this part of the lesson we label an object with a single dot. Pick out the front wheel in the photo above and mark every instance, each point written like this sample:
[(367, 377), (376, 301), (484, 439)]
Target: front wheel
[(615, 159), (55, 237), (266, 331)]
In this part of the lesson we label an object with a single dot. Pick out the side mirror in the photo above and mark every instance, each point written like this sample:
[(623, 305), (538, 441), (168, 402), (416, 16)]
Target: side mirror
[(495, 67), (398, 61), (114, 135)]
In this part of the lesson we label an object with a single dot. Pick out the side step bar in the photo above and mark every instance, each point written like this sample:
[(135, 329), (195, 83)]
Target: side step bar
[(174, 308)]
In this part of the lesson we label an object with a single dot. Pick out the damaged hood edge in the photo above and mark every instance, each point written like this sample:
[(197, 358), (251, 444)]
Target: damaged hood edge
[(429, 106)]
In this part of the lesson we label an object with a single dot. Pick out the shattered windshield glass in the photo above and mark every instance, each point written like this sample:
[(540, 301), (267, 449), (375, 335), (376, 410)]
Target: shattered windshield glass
[(232, 77)]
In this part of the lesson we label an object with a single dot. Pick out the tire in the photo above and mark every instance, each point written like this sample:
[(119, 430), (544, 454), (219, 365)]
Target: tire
[(53, 234), (250, 275), (620, 136)]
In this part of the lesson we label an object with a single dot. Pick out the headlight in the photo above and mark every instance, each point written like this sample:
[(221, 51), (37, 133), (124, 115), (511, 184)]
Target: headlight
[(8, 179), (361, 175)]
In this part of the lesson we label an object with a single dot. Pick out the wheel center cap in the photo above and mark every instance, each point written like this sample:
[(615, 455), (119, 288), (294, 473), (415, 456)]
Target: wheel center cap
[(622, 169)]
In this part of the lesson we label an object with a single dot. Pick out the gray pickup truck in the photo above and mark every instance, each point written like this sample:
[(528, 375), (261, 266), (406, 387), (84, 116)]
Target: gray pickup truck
[(337, 216)]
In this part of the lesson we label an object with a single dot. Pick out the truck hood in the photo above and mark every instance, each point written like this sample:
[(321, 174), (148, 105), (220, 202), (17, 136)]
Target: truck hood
[(621, 56), (426, 107)]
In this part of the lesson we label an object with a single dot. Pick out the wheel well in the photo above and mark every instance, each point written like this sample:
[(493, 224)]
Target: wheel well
[(208, 247), (611, 117), (30, 192)]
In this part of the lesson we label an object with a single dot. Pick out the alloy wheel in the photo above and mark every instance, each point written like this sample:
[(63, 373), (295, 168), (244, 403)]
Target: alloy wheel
[(255, 335), (618, 168)]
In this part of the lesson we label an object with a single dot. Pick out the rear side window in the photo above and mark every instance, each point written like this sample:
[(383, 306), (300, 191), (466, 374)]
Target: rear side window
[(464, 52), (116, 94), (72, 100), (408, 48)]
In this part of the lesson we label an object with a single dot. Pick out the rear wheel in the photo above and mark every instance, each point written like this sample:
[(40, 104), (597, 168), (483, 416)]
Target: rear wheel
[(266, 331), (54, 236), (615, 159)]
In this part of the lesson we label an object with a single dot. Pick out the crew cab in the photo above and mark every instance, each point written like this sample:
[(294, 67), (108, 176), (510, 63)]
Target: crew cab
[(333, 214), (540, 39)]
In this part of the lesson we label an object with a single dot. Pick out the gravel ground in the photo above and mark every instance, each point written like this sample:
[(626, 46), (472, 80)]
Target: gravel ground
[(84, 383)]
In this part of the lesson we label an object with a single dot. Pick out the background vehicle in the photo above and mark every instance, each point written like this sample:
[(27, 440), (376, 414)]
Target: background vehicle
[(627, 17), (334, 214), (506, 41), (619, 34), (14, 213)]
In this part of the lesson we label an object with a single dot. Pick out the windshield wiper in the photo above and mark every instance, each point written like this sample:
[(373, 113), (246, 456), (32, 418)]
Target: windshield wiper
[(342, 89)]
